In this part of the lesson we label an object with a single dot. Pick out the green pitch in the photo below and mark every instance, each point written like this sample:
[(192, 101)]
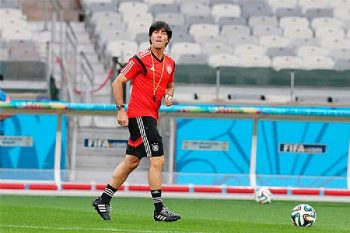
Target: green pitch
[(75, 214)]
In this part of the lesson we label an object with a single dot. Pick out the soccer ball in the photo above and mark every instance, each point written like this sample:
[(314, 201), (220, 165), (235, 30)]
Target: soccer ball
[(303, 215), (263, 196)]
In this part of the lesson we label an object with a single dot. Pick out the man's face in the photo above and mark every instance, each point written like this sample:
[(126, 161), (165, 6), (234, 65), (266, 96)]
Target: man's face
[(159, 39)]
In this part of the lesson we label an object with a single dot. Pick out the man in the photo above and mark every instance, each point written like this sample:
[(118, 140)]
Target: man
[(152, 75)]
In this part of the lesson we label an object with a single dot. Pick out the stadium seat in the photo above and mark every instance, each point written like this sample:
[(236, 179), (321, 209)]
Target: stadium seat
[(263, 20), (346, 26), (21, 44), (318, 62), (171, 18), (267, 30), (249, 50), (108, 36), (297, 32), (197, 59), (234, 40), (259, 8), (319, 12), (24, 55), (13, 23), (85, 3), (342, 64), (203, 29), (329, 32), (95, 7), (342, 13), (325, 22), (279, 51), (254, 61), (182, 37), (105, 16), (142, 37), (9, 4), (104, 26), (4, 55), (209, 39), (215, 2), (311, 51), (204, 19), (225, 10), (335, 43), (287, 62), (164, 8), (307, 4), (300, 22), (189, 8), (10, 13), (185, 48), (223, 60), (136, 7), (275, 4), (227, 30), (137, 17), (202, 2), (232, 21), (138, 27), (154, 2), (299, 42), (119, 48), (274, 41), (214, 48), (338, 54), (121, 1), (339, 3), (143, 46), (16, 34), (288, 12)]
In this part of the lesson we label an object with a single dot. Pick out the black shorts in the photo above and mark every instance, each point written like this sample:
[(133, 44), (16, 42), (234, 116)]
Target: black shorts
[(144, 140)]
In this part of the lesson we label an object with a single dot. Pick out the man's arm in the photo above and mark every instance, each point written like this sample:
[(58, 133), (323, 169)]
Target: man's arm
[(117, 86), (118, 98), (170, 89), (169, 93)]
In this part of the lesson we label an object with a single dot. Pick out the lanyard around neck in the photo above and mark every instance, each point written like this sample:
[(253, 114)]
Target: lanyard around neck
[(155, 87)]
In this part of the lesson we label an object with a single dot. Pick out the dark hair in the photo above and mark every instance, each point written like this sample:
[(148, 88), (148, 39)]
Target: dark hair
[(157, 25)]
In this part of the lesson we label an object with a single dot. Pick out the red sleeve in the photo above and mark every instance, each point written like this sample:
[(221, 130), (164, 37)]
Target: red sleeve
[(171, 79), (131, 69)]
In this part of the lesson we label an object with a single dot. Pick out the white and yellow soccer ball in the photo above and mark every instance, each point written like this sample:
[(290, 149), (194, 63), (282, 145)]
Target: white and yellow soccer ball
[(263, 196), (303, 215)]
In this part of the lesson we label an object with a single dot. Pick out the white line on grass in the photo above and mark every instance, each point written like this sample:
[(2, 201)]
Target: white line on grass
[(88, 229)]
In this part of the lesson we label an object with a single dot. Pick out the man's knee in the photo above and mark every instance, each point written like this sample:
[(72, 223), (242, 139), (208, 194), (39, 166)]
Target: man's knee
[(131, 162), (157, 162)]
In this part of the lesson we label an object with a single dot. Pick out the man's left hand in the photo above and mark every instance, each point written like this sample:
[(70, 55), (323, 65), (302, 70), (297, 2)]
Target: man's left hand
[(168, 100)]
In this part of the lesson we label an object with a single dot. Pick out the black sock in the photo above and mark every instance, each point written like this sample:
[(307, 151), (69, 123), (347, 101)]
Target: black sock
[(108, 194), (157, 199)]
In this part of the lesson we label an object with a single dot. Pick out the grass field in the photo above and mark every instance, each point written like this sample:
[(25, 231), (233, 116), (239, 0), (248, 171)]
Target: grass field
[(75, 214)]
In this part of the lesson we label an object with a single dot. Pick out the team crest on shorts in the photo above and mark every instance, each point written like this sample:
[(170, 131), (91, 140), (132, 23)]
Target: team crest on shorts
[(155, 147), (169, 69)]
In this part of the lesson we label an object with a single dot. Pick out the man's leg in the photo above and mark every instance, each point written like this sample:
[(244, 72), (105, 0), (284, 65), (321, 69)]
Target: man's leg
[(120, 173), (155, 183)]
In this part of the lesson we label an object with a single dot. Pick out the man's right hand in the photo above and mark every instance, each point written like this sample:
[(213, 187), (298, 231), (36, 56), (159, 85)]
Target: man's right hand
[(122, 118)]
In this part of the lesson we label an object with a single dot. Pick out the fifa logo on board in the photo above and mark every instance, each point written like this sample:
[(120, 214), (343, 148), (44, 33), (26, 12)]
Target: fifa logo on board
[(302, 148)]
